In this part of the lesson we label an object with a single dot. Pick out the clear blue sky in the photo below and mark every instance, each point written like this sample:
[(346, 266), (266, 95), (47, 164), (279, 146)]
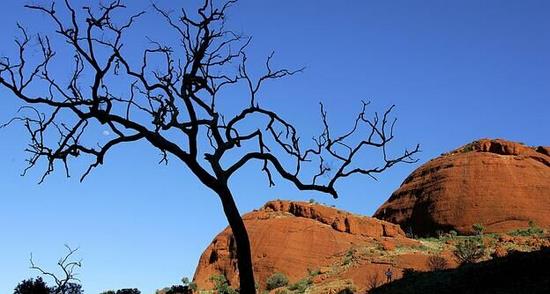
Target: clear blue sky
[(457, 71)]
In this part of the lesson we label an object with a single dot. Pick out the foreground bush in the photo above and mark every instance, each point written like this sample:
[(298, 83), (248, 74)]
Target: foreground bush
[(532, 230), (469, 250), (276, 280), (222, 285), (436, 263)]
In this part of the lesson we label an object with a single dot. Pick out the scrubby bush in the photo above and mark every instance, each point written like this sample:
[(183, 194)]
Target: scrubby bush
[(276, 280), (436, 263), (478, 229), (532, 230), (350, 256), (222, 285), (32, 286), (469, 250), (300, 286), (178, 289), (313, 272)]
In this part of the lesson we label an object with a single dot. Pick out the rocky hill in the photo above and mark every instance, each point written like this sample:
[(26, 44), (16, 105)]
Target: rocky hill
[(499, 184), (325, 250), (301, 239)]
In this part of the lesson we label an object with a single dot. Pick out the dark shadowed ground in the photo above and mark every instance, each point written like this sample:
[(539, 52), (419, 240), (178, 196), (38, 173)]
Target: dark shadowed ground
[(516, 273)]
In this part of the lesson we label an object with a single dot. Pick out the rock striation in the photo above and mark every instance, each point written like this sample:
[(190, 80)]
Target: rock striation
[(499, 184)]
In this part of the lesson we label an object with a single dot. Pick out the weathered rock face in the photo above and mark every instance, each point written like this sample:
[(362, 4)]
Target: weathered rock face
[(499, 184), (294, 237)]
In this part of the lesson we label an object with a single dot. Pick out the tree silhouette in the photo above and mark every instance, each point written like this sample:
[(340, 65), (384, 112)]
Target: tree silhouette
[(32, 286), (66, 281), (170, 101)]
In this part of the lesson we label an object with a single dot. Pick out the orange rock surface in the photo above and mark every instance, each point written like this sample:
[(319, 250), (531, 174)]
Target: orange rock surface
[(296, 238), (500, 184)]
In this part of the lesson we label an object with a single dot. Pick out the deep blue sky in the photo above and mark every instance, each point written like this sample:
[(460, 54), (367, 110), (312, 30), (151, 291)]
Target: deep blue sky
[(457, 71)]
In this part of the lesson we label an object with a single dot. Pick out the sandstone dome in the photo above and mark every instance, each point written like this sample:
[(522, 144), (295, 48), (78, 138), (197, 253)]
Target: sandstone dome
[(499, 184), (297, 237)]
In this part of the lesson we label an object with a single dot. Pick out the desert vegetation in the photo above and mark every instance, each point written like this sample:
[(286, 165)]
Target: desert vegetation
[(276, 280)]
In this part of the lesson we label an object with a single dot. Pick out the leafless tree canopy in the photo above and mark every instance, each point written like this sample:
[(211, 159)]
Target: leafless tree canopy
[(374, 280), (172, 94), (68, 267)]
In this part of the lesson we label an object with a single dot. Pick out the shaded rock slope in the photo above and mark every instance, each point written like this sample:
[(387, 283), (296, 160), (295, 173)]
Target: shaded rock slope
[(520, 272), (500, 184)]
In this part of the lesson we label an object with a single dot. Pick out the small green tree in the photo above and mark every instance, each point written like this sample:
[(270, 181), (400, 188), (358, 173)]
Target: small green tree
[(276, 280), (221, 285)]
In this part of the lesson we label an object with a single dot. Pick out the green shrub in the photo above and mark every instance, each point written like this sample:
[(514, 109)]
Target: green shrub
[(478, 229), (469, 250), (453, 233), (221, 285), (276, 280), (532, 230), (468, 147), (350, 256), (313, 272), (300, 286)]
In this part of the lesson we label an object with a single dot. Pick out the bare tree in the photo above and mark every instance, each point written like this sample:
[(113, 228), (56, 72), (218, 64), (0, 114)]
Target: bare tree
[(171, 102), (66, 281), (374, 280)]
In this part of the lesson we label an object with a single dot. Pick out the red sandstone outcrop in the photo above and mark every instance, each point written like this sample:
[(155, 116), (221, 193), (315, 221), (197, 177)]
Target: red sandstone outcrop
[(500, 184), (294, 237)]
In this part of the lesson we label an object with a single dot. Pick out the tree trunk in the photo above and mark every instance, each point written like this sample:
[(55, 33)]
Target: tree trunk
[(244, 256)]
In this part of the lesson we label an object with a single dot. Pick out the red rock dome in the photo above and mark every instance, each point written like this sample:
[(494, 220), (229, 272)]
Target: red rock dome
[(499, 184), (294, 237)]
